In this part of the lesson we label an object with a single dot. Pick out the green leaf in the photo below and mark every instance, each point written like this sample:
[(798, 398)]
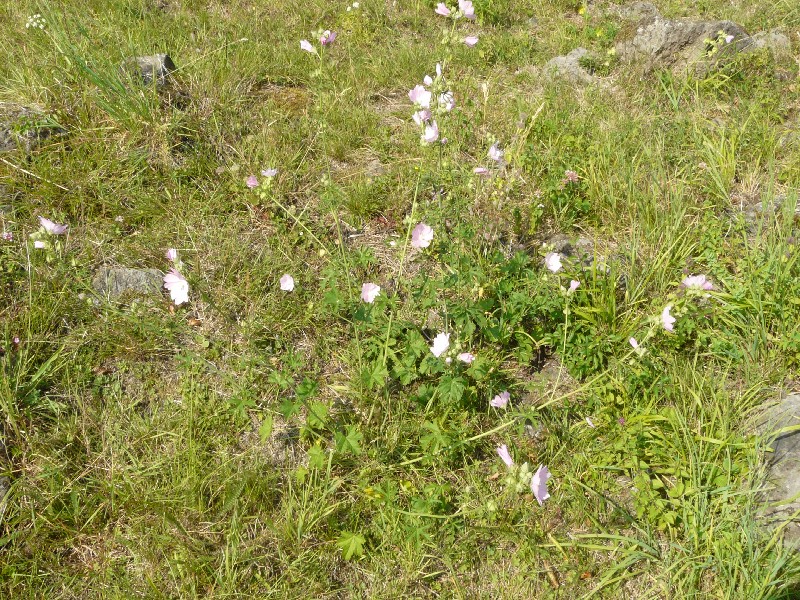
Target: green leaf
[(316, 457), (352, 545), (349, 442), (265, 430)]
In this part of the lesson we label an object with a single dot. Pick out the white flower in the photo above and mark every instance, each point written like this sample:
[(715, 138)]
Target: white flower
[(177, 286), (553, 261), (370, 291), (440, 344), (287, 283)]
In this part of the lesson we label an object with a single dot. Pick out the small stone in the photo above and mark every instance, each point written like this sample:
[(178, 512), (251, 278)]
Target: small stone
[(157, 67), (636, 11), (569, 68), (774, 41), (113, 282)]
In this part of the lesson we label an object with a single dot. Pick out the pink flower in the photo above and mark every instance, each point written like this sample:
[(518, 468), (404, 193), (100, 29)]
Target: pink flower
[(570, 177), (427, 80), (573, 285), (728, 39), (306, 45), (539, 484), (440, 344), (421, 116), (172, 255), (698, 282), (421, 236), (53, 228), (590, 423), (287, 283), (552, 261), (269, 172), (466, 8), (370, 291), (667, 320), (39, 244), (420, 96), (447, 101), (7, 236), (466, 357), (495, 153), (431, 133), (177, 286), (482, 171), (327, 37), (252, 182), (505, 455), (501, 400), (634, 344), (441, 9), (471, 40)]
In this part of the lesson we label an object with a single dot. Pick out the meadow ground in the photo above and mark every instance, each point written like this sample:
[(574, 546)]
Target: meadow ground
[(325, 441)]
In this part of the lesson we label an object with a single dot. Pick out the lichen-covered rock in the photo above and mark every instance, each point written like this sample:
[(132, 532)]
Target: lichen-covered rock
[(783, 490), (114, 282), (777, 43), (24, 127), (147, 69), (683, 45), (569, 67)]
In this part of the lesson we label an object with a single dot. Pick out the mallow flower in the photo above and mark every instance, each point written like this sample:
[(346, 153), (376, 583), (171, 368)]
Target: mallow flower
[(431, 133), (271, 172), (177, 286), (306, 45), (287, 283), (421, 116), (471, 40), (420, 96), (441, 9), (370, 291), (466, 8), (552, 261), (466, 357), (171, 255), (440, 344), (539, 484), (327, 37), (53, 228), (505, 455), (447, 101), (252, 182), (573, 285), (495, 153), (500, 400), (699, 282), (421, 236), (667, 320)]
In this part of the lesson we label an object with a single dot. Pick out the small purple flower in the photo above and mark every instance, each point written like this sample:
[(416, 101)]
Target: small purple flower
[(505, 455), (466, 357), (501, 400), (495, 153), (466, 8), (482, 171), (441, 9), (7, 236), (471, 40), (287, 283), (252, 182), (573, 285), (420, 96), (421, 236), (52, 228), (269, 172), (327, 37), (370, 291), (421, 116), (171, 255), (699, 282), (667, 320), (431, 133), (447, 101), (306, 45), (570, 177), (728, 39), (539, 484)]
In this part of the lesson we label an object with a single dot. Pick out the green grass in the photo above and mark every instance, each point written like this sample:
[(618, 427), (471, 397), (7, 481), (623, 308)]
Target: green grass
[(256, 443)]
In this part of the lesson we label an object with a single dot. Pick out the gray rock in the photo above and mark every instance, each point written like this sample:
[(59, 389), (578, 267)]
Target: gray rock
[(113, 282), (569, 68), (24, 127), (774, 41), (157, 67), (636, 11), (682, 45), (784, 464)]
